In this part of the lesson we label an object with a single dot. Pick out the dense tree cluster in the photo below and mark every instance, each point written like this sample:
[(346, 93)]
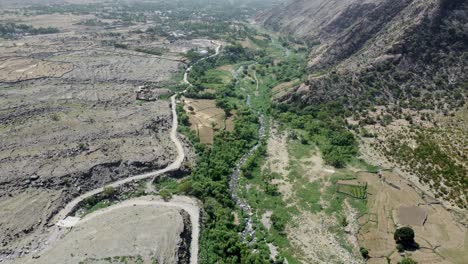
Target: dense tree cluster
[(325, 126), (11, 30), (220, 240), (404, 236)]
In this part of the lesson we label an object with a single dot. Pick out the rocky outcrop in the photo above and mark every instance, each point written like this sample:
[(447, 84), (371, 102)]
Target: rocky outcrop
[(183, 251), (379, 51)]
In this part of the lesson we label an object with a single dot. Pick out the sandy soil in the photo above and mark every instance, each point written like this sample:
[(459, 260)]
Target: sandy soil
[(311, 237), (283, 88), (278, 161), (266, 219)]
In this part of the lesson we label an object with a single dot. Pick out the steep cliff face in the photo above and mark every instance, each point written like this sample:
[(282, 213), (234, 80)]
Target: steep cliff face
[(409, 52)]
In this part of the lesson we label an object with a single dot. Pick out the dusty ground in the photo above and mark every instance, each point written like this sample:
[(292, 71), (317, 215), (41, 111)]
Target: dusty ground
[(152, 232), (309, 234), (283, 88), (278, 161), (205, 118), (441, 238)]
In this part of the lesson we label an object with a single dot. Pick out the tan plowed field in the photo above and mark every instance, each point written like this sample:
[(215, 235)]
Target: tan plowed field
[(205, 118), (393, 203)]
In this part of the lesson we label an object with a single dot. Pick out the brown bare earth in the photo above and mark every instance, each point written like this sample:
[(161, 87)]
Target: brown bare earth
[(283, 88), (411, 216), (393, 202)]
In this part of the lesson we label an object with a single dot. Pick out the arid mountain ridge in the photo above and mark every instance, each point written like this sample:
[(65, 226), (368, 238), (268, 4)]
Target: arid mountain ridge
[(408, 52)]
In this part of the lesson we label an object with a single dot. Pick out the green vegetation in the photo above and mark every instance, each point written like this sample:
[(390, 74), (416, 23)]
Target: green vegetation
[(152, 51), (12, 30), (356, 191), (407, 261), (208, 182), (404, 236), (364, 252), (93, 23), (108, 197), (116, 259), (324, 126)]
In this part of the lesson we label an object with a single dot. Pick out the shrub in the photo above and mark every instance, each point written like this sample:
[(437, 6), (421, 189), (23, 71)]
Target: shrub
[(400, 247), (165, 194), (407, 261), (109, 191), (279, 221)]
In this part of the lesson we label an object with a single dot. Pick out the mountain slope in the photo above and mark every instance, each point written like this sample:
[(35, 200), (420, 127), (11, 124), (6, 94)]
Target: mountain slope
[(399, 68), (379, 51)]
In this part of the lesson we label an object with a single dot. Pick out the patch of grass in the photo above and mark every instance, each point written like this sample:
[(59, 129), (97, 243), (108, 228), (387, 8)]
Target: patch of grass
[(361, 164), (87, 208), (309, 197), (168, 184), (298, 150), (335, 201), (359, 205)]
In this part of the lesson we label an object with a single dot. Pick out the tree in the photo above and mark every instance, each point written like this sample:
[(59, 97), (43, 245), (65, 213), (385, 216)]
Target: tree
[(407, 261), (404, 236), (364, 252)]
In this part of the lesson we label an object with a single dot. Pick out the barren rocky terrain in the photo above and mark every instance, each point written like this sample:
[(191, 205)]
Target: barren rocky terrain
[(70, 121)]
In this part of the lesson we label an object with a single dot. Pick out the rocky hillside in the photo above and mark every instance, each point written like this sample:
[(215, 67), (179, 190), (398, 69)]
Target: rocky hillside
[(367, 52)]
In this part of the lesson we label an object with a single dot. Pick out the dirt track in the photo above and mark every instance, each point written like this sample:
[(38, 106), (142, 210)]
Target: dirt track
[(173, 166), (63, 220)]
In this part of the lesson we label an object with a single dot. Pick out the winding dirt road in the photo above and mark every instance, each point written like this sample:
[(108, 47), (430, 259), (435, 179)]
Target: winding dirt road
[(187, 71), (62, 219), (173, 166)]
